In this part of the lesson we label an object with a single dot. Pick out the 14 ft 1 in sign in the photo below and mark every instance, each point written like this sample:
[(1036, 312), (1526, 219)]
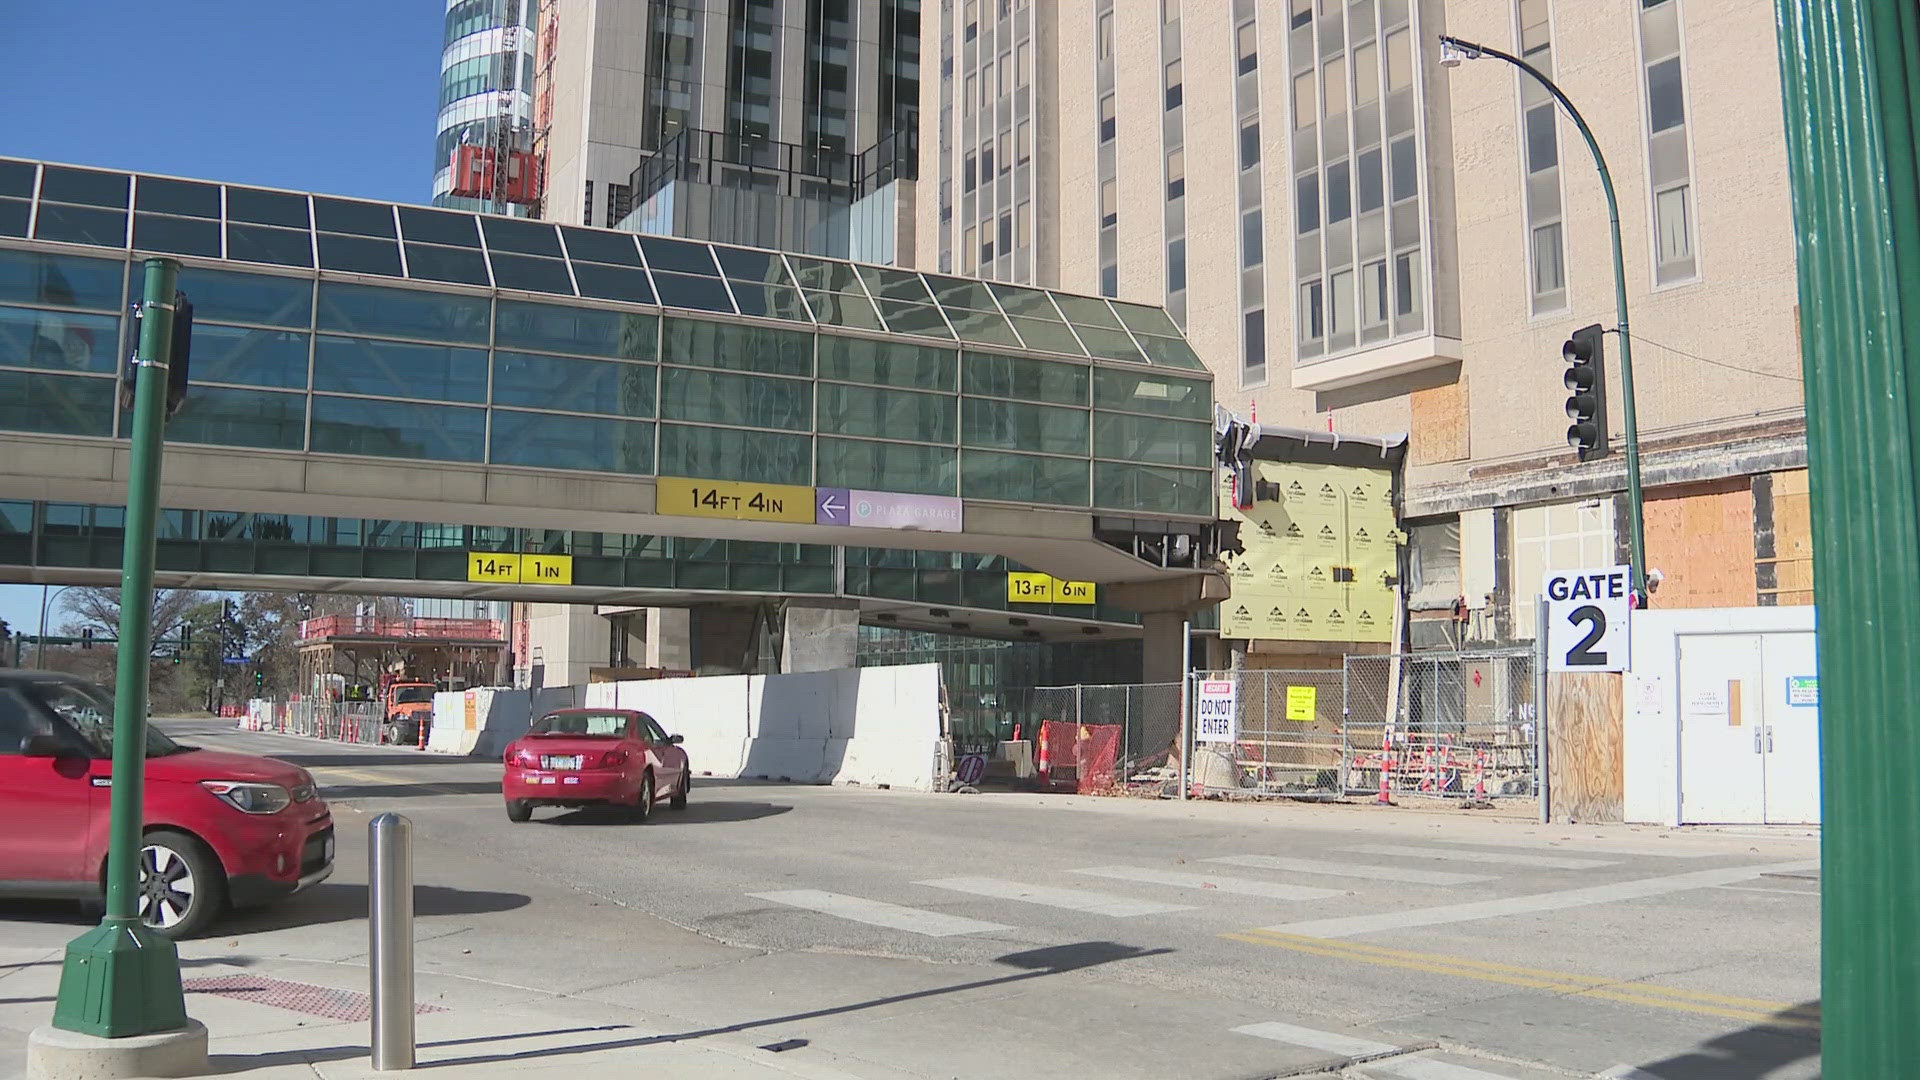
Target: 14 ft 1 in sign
[(1587, 618)]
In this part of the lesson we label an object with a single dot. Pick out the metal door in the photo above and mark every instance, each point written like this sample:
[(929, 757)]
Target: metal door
[(1722, 734), (1792, 735)]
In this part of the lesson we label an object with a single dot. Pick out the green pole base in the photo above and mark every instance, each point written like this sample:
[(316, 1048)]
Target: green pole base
[(120, 979)]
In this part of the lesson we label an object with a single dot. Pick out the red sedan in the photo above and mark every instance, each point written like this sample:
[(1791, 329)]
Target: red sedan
[(595, 757)]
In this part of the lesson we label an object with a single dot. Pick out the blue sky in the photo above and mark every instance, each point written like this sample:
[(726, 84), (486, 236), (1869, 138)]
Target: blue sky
[(337, 97)]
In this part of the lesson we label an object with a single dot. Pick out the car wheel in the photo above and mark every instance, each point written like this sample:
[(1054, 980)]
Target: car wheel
[(679, 801), (644, 810), (182, 887), (519, 810)]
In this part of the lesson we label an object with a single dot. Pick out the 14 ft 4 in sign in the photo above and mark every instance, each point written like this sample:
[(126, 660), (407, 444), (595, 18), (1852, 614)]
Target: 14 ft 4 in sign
[(1587, 619)]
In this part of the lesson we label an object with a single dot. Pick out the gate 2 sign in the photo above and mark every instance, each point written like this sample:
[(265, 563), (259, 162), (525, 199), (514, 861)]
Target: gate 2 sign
[(1587, 619), (1215, 712)]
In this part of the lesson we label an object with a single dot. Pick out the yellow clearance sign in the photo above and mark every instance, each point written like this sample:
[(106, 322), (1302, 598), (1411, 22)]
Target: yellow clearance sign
[(495, 568), (1030, 588), (734, 499)]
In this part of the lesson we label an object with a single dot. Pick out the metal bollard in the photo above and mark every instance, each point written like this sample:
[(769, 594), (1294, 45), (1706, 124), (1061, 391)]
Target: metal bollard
[(390, 928)]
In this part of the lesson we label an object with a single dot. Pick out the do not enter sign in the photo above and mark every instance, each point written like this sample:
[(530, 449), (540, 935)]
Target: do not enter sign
[(1216, 714), (1587, 618)]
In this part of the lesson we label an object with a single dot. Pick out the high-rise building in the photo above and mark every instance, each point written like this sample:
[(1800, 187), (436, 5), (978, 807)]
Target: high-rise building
[(780, 123), (486, 94), (1358, 239)]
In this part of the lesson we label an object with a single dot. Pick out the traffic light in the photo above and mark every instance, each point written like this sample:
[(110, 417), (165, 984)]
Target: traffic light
[(1586, 381), (259, 678), (176, 656), (86, 638), (186, 636)]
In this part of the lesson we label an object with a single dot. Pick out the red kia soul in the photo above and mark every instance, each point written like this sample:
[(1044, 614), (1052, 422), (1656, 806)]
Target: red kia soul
[(221, 829)]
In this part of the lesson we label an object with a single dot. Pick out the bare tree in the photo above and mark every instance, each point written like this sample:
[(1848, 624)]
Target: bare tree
[(97, 607)]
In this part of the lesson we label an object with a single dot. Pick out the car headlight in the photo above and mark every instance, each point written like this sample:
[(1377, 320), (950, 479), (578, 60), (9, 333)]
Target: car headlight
[(250, 798)]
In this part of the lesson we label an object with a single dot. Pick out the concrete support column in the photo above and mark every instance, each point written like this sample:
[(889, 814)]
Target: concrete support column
[(1161, 647), (669, 639), (819, 637)]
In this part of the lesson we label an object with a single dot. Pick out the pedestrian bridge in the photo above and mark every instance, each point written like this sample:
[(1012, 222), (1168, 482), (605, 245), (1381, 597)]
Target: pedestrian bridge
[(372, 362)]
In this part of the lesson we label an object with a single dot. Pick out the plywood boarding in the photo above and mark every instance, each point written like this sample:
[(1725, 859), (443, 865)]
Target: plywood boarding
[(1701, 539), (1792, 538), (1439, 424), (1585, 753)]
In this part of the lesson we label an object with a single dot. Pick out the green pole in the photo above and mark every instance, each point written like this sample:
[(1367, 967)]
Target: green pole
[(1850, 74), (1636, 523), (121, 979)]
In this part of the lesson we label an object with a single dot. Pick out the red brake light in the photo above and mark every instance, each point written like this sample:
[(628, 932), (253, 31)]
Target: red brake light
[(613, 759)]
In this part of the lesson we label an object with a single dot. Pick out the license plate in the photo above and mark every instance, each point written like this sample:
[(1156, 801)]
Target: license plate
[(560, 761), (327, 849)]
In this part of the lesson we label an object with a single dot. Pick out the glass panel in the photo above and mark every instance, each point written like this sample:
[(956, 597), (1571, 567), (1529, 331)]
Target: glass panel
[(1024, 379), (1548, 270), (16, 178), (231, 354), (985, 474), (1010, 425), (267, 207), (1406, 170), (1047, 336), (887, 363), (358, 218), (613, 282), (894, 284), (1140, 438), (438, 227), (555, 382), (531, 274), (359, 255), (982, 327), (224, 417), (59, 340), (463, 266), (923, 320), (543, 440), (63, 280), (1086, 311), (14, 215), (177, 197), (1145, 319), (522, 237), (724, 454), (80, 225), (1150, 489), (372, 309), (258, 243), (178, 235), (84, 186), (1170, 352), (1372, 190), (877, 466), (690, 291), (886, 414), (560, 328), (600, 245), (844, 309), (397, 429), (962, 292), (1143, 393), (823, 274), (397, 369), (1111, 344), (1542, 150), (1029, 302), (1339, 193), (770, 301), (1675, 243), (746, 265), (738, 348), (1665, 106), (226, 296), (56, 404), (745, 400), (678, 255)]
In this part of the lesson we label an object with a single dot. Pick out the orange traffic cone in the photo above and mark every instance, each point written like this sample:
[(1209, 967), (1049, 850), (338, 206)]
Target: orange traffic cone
[(1045, 766)]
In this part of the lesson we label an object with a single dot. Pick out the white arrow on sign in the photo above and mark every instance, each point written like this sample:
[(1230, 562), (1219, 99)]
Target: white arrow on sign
[(831, 505)]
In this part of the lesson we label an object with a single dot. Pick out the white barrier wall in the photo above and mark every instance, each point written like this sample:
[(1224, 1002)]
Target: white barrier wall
[(857, 725)]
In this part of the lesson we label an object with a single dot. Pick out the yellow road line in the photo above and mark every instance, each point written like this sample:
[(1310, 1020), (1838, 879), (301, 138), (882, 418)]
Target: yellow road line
[(1753, 1010)]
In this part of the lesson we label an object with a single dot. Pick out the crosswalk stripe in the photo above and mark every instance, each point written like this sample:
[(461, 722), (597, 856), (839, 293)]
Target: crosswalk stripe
[(1352, 870), (1093, 903), (1327, 1042), (878, 913), (1550, 862), (1581, 848), (1240, 886)]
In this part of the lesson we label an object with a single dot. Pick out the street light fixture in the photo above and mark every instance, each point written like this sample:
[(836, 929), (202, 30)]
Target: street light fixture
[(1453, 52)]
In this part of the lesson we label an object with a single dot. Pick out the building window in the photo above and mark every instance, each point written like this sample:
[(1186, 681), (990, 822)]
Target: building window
[(1543, 150), (1406, 282), (1339, 193), (1372, 191), (1312, 312), (1106, 119), (973, 94), (986, 250), (1668, 159), (1177, 265), (1305, 103), (1252, 248), (1006, 74), (966, 172), (966, 251), (1373, 294), (1023, 71), (1340, 310), (986, 84), (1006, 156), (1023, 225), (1399, 61), (1247, 46), (1249, 144), (1173, 85), (1334, 79), (1006, 232), (1548, 275), (1665, 109), (1106, 36), (1023, 141), (1302, 14), (1109, 204), (1110, 280), (1366, 74), (986, 163), (1406, 172), (973, 20), (1671, 224), (1176, 173), (1306, 203), (1253, 345)]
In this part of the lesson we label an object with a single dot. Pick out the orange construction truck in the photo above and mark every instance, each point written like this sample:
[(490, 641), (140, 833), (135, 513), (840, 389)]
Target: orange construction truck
[(409, 713)]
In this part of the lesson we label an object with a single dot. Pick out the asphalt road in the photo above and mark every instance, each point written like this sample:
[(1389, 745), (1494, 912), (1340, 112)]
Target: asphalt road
[(908, 934)]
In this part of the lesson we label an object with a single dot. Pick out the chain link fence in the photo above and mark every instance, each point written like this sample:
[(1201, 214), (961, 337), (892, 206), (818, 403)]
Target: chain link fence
[(1288, 735), (1141, 722), (351, 721), (1460, 724)]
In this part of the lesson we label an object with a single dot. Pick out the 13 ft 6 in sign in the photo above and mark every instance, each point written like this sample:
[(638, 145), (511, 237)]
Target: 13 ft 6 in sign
[(1587, 619)]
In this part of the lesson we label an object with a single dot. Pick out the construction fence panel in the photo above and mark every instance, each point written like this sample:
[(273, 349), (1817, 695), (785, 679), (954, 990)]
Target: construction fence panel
[(1288, 734), (1142, 721), (1454, 724), (351, 721)]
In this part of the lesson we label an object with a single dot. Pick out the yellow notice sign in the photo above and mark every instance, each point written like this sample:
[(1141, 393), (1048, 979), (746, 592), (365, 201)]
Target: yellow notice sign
[(495, 568), (1301, 702), (735, 499), (1024, 587)]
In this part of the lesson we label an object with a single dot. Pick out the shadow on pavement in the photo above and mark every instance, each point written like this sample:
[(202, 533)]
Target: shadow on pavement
[(340, 902), (696, 813), (223, 1064), (1750, 1052)]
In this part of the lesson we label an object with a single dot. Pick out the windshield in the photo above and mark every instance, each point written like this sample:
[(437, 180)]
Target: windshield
[(596, 725), (89, 711), (407, 695)]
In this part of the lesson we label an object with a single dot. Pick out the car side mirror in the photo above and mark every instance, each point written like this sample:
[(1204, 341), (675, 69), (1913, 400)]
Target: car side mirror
[(42, 745), (676, 739)]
